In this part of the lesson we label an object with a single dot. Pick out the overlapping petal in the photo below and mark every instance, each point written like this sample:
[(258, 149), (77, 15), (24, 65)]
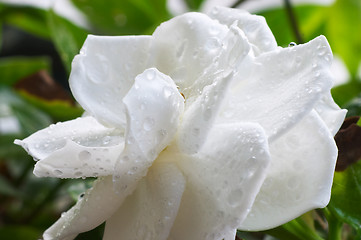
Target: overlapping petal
[(255, 27), (150, 211), (300, 175), (222, 182), (91, 210), (330, 113), (280, 87), (103, 73), (153, 109), (199, 117), (79, 148)]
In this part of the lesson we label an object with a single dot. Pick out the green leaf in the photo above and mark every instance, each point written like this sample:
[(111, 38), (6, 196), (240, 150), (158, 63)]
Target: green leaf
[(345, 93), (13, 69), (6, 188), (296, 229), (29, 118), (59, 110), (19, 233), (124, 17), (32, 20), (354, 107), (7, 147), (343, 32), (67, 37), (346, 196)]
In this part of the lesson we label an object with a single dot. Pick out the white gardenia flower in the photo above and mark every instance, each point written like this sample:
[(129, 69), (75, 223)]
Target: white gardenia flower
[(200, 129)]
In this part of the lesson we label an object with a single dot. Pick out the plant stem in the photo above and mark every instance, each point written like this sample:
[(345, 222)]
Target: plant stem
[(293, 21), (334, 226)]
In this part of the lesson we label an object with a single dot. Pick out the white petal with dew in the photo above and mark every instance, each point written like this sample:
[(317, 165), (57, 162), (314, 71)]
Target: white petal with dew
[(104, 71), (97, 205), (255, 27), (78, 148), (330, 113), (75, 161), (299, 178), (150, 211), (280, 87), (199, 117), (222, 182), (153, 109), (185, 54)]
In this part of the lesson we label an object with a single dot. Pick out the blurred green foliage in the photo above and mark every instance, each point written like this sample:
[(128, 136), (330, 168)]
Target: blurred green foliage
[(29, 205)]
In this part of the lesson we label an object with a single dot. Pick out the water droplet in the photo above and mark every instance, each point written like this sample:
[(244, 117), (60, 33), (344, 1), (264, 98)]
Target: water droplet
[(167, 91), (130, 140), (125, 158), (207, 114), (235, 197), (213, 44), (150, 74), (148, 124), (215, 11), (292, 44), (214, 30), (181, 48), (195, 54), (78, 174), (142, 106), (195, 131), (292, 183), (58, 172), (84, 155), (106, 140), (322, 50)]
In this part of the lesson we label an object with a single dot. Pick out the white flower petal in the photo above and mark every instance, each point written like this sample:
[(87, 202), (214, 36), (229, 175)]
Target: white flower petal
[(153, 109), (330, 113), (154, 106), (104, 71), (199, 117), (184, 54), (222, 182), (255, 27), (78, 148), (150, 211), (75, 161), (299, 178), (278, 88), (97, 205)]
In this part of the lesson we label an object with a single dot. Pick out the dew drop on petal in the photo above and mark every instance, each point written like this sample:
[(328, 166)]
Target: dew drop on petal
[(292, 44), (181, 49), (213, 44), (234, 197), (150, 75), (84, 155), (207, 114), (167, 91), (148, 124), (78, 174), (58, 172), (106, 140)]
